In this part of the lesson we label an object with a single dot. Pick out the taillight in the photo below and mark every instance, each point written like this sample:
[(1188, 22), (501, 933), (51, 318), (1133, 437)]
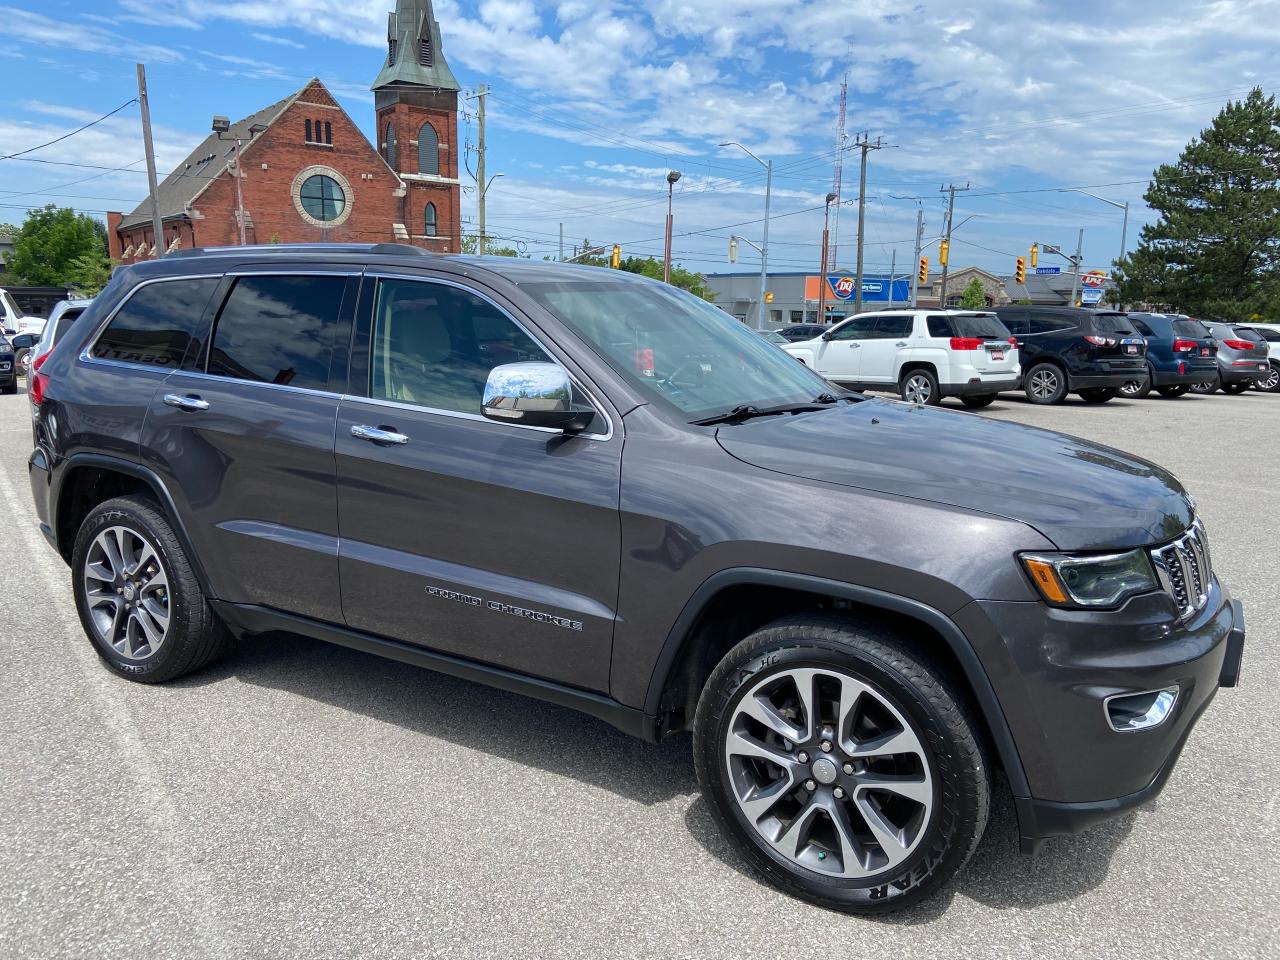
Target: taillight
[(39, 381), (1101, 341), (644, 362), (1238, 344), (1180, 345), (966, 343), (1013, 342)]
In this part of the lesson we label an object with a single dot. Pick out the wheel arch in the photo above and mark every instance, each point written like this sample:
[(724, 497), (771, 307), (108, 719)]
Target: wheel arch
[(86, 480), (734, 602), (914, 364)]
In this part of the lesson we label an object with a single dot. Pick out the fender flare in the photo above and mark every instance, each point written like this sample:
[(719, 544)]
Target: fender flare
[(139, 472), (975, 673)]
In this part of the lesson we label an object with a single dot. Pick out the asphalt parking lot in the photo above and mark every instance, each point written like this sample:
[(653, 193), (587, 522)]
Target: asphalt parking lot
[(302, 800)]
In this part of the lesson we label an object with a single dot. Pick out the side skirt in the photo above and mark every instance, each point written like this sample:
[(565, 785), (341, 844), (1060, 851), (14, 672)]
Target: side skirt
[(244, 618)]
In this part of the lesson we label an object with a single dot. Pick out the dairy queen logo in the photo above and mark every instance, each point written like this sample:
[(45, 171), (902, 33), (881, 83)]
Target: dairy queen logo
[(842, 287)]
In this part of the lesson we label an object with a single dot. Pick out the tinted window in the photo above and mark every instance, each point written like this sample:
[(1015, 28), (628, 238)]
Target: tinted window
[(278, 330), (940, 326), (1271, 336), (1188, 328), (434, 345), (889, 327), (986, 326), (858, 329), (1113, 323), (1143, 328), (1047, 323), (64, 323), (1015, 323), (1247, 333), (157, 324)]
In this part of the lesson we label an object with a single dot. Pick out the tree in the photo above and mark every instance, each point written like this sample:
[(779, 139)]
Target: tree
[(50, 242), (695, 283), (973, 297), (1215, 249), (89, 274), (471, 244)]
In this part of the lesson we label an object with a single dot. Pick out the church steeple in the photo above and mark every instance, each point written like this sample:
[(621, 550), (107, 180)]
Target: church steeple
[(414, 54)]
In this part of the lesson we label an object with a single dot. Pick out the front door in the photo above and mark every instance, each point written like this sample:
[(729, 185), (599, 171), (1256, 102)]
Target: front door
[(840, 357), (485, 540)]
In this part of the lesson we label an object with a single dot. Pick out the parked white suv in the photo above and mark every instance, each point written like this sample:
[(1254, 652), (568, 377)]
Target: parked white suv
[(924, 355)]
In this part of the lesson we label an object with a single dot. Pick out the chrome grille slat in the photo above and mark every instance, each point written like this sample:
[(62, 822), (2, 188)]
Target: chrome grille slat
[(1185, 571)]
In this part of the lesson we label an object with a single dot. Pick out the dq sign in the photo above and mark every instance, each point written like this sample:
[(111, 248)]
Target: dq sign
[(843, 288), (1094, 278)]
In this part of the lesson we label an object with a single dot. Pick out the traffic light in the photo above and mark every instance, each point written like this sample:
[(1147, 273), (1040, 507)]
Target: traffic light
[(1020, 271), (1035, 255), (943, 249), (615, 258), (923, 275), (768, 296)]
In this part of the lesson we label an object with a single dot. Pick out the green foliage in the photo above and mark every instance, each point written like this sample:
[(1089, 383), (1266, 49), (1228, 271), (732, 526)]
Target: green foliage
[(695, 283), (89, 274), (50, 242), (1215, 251), (471, 244), (274, 238), (974, 297)]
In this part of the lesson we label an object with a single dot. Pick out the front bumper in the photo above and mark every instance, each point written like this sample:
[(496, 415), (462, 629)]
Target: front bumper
[(1054, 670)]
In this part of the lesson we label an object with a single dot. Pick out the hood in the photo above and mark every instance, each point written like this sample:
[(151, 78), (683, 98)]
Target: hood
[(1078, 494)]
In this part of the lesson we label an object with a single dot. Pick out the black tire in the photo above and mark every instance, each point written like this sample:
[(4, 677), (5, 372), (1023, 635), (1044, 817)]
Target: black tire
[(939, 718), (920, 386), (1173, 391), (194, 636), (10, 388), (1205, 387), (17, 358), (1271, 382), (1138, 389), (975, 403), (1236, 388), (1045, 383), (1099, 394)]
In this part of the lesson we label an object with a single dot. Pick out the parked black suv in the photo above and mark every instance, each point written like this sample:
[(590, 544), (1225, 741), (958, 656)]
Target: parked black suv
[(1073, 350), (8, 366), (550, 478)]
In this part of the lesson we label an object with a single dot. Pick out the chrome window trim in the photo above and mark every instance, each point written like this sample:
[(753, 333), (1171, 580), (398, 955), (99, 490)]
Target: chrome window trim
[(217, 378), (86, 352), (577, 382)]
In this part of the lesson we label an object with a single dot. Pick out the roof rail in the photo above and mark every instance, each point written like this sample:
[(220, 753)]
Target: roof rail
[(386, 249)]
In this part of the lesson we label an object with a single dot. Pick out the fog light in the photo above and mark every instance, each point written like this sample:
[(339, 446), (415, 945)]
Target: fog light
[(1130, 712)]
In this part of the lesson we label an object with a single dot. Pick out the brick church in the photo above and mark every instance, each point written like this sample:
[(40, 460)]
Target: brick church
[(308, 174)]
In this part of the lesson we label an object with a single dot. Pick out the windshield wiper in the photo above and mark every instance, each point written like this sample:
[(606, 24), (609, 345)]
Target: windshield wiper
[(747, 411)]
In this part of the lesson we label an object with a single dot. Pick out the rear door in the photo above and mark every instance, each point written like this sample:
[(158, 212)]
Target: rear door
[(245, 439), (491, 541), (890, 337)]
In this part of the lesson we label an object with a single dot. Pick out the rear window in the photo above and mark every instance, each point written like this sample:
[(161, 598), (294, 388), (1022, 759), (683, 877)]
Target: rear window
[(1248, 333), (987, 326), (157, 324), (1188, 328), (1113, 323), (64, 324)]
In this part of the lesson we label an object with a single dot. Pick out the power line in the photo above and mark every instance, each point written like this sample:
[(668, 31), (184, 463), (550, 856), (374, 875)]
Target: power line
[(41, 146)]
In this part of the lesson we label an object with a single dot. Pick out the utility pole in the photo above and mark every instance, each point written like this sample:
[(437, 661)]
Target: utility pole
[(560, 256), (893, 268), (915, 260), (480, 181), (822, 278), (945, 258), (157, 228), (672, 177), (838, 180), (1075, 268), (866, 146)]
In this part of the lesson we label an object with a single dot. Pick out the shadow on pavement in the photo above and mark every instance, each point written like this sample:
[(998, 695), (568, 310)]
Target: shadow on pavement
[(502, 724), (998, 875)]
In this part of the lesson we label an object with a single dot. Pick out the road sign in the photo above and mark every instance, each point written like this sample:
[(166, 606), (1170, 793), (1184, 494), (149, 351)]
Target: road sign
[(1094, 278), (1091, 295), (1042, 271)]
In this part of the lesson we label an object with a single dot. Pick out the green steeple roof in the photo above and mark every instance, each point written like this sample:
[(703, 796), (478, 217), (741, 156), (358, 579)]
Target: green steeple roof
[(414, 53)]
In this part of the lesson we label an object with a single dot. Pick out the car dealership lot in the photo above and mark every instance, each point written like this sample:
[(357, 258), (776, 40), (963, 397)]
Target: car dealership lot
[(305, 800)]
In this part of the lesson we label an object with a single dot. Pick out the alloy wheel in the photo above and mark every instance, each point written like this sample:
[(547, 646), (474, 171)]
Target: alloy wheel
[(1131, 388), (917, 389), (1270, 381), (127, 590), (1044, 384), (829, 772)]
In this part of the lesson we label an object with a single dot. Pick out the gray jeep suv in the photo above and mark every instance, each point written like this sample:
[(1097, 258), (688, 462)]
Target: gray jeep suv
[(598, 490)]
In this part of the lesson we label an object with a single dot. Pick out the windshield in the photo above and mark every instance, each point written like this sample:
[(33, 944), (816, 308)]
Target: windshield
[(10, 307), (984, 325), (677, 347)]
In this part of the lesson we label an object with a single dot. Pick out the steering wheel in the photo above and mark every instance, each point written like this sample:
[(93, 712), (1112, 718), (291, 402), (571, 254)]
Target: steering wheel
[(689, 375)]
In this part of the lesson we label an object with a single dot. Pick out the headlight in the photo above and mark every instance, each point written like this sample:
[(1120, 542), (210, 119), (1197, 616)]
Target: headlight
[(1066, 580)]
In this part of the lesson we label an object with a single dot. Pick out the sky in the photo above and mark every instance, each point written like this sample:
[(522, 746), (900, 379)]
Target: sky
[(593, 103)]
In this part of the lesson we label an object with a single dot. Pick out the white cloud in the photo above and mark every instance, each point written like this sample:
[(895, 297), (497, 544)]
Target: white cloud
[(279, 41), (63, 34)]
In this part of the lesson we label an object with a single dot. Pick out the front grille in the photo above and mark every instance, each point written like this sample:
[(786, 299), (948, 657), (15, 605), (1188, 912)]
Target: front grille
[(1185, 571)]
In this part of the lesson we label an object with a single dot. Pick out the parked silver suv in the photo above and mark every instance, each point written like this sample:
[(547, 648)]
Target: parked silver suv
[(1242, 358)]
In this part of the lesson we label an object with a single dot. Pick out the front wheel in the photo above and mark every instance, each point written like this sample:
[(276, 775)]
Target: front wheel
[(1271, 382), (1205, 387), (1045, 383), (1099, 394), (919, 386), (138, 598), (975, 403), (1234, 388), (844, 768)]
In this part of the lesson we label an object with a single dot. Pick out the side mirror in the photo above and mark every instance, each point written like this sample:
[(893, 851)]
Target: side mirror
[(826, 335), (534, 394)]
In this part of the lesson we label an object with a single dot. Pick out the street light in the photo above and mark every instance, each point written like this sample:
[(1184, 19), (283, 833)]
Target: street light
[(822, 282), (1124, 226), (672, 178), (220, 126), (764, 246)]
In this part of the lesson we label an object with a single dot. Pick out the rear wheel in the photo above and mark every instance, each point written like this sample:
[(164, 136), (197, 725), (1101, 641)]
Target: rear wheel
[(1234, 388), (1136, 389), (843, 768), (919, 386), (975, 403), (10, 387), (1045, 383), (1205, 387), (1099, 394), (138, 599), (1172, 391), (1271, 382)]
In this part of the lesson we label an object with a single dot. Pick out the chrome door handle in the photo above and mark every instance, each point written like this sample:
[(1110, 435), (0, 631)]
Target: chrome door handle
[(901, 343), (185, 403), (376, 435)]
